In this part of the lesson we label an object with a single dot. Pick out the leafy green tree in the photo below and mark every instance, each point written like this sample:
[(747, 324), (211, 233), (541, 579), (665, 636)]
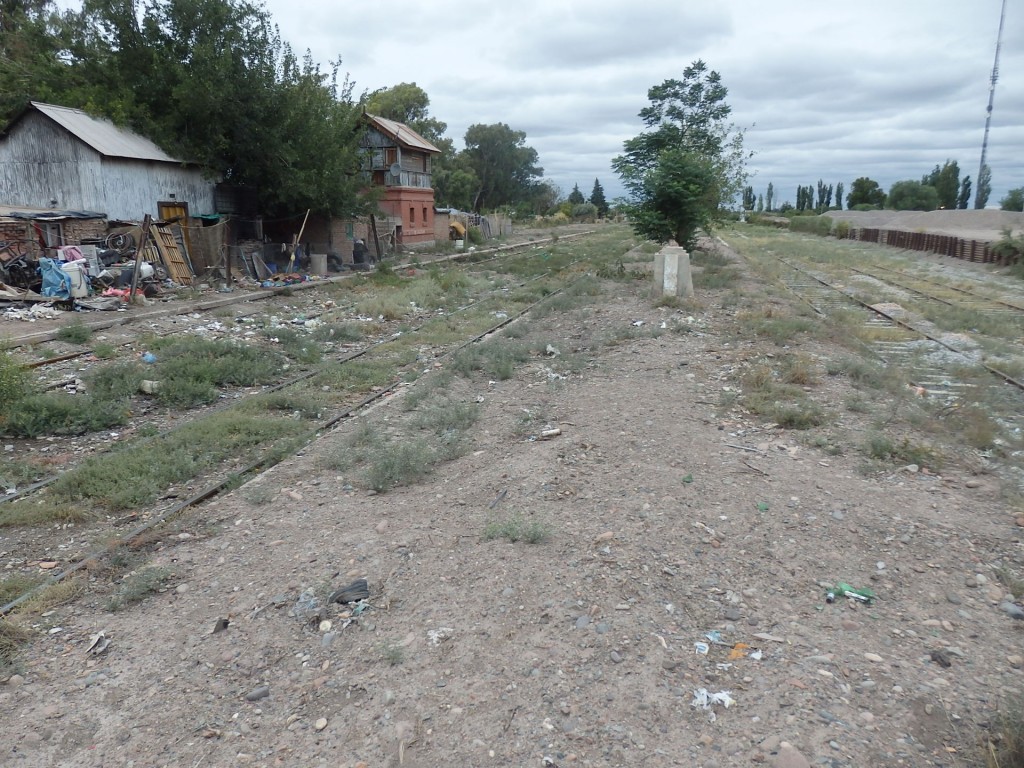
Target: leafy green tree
[(946, 181), (212, 81), (31, 52), (912, 196), (984, 189), (824, 196), (505, 167), (576, 197), (769, 197), (1014, 200), (865, 191), (688, 142), (963, 200), (409, 104), (839, 195), (748, 198), (597, 199), (680, 196), (546, 196)]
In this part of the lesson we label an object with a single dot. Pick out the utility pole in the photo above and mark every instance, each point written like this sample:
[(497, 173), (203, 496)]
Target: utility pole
[(991, 97)]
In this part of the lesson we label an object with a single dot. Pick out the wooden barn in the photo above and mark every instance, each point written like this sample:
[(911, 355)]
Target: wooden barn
[(399, 160), (64, 159)]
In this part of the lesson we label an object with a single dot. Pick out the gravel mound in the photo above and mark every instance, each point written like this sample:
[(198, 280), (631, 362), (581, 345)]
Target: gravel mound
[(977, 225)]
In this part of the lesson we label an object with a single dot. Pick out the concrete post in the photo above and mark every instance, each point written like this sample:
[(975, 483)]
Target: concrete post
[(672, 272)]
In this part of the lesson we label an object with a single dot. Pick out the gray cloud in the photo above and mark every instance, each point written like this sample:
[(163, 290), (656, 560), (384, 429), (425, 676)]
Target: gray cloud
[(877, 88)]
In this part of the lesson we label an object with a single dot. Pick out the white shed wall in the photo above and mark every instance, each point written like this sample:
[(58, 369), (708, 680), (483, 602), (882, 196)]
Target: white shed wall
[(41, 162)]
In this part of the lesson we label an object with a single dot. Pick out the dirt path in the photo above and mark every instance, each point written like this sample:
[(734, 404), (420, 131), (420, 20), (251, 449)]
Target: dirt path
[(667, 520)]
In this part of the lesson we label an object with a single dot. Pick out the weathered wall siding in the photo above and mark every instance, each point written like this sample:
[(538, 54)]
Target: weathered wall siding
[(132, 188), (41, 162)]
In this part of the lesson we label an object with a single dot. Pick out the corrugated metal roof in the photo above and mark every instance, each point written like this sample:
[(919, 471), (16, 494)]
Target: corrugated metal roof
[(401, 133), (103, 136)]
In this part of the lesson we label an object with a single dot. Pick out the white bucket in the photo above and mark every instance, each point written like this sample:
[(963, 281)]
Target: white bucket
[(318, 263), (76, 271), (459, 244)]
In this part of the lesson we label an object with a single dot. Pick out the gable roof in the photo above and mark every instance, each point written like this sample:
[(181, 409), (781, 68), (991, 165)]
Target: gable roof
[(100, 134), (401, 133)]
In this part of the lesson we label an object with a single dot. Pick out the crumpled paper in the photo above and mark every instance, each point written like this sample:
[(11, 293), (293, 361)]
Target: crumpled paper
[(706, 700)]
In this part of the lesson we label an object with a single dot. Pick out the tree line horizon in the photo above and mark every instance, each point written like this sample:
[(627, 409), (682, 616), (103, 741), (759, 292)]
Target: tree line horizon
[(941, 189)]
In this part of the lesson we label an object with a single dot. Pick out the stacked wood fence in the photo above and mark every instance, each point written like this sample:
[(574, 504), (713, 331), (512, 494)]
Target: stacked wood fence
[(944, 245)]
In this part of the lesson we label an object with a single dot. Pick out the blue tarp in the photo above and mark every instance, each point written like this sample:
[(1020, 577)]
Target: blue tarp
[(56, 282)]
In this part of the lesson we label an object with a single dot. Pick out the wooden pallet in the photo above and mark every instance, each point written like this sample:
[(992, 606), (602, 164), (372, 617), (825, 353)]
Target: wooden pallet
[(177, 268)]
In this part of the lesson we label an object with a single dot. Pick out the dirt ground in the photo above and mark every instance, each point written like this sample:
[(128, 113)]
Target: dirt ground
[(670, 524)]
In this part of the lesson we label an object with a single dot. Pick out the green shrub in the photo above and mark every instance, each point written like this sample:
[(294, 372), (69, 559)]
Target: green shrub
[(14, 382), (475, 235), (56, 413), (338, 332), (74, 333), (138, 586), (118, 381), (104, 350), (441, 417), (395, 464), (842, 229), (1010, 249), (883, 448), (815, 225), (295, 344), (497, 358), (190, 370), (515, 529)]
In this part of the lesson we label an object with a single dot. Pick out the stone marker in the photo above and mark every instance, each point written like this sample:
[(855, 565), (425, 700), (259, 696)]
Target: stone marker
[(672, 272)]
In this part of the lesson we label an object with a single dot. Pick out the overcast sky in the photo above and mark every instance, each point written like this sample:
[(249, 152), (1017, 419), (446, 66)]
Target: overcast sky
[(825, 90)]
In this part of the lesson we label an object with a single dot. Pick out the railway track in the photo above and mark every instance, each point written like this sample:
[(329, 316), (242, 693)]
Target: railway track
[(95, 540), (949, 295), (944, 368)]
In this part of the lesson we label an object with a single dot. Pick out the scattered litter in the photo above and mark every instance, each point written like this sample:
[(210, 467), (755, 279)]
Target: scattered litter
[(845, 590), (549, 433), (436, 636), (723, 666), (739, 651), (688, 479), (705, 700), (220, 625), (769, 638), (757, 654), (715, 637), (98, 643), (551, 351), (148, 357), (701, 648), (639, 323)]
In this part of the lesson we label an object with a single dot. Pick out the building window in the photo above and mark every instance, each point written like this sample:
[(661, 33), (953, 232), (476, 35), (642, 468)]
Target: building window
[(412, 215), (424, 215)]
